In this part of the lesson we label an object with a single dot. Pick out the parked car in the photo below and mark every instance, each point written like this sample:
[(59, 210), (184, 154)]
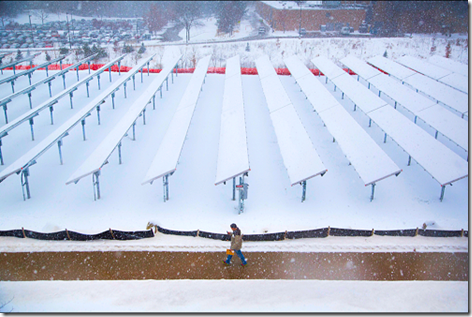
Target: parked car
[(262, 30), (345, 30)]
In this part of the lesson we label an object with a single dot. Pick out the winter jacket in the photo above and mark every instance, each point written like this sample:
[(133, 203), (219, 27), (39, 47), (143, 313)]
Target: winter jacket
[(236, 242)]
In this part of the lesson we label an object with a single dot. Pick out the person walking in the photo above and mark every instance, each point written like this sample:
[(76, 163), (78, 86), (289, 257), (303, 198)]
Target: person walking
[(236, 245)]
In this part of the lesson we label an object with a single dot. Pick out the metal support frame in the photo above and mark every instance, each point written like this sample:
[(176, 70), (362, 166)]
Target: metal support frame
[(59, 145), (134, 131), (355, 107), (234, 188), (12, 86), (124, 86), (409, 160), (96, 185), (30, 102), (370, 122), (395, 106), (148, 68), (379, 93), (154, 102), (88, 66), (5, 108), (142, 75), (342, 95), (98, 79), (31, 122), (368, 86), (119, 153), (241, 198), (165, 181), (71, 94), (443, 189), (303, 190), (83, 128), (373, 189), (29, 78), (109, 73), (160, 90), (87, 86), (119, 68), (64, 80), (134, 82), (98, 114), (385, 138), (51, 109), (49, 86), (24, 183), (167, 83), (1, 155), (60, 64), (436, 134), (77, 69), (113, 100), (144, 116)]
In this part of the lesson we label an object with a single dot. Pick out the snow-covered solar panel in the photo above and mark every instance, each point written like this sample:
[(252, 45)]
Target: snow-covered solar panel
[(233, 159), (449, 96), (447, 63), (359, 67), (101, 154), (457, 81), (390, 67), (30, 157), (368, 159), (423, 67), (299, 155), (168, 153), (330, 69), (444, 165), (365, 99), (441, 119)]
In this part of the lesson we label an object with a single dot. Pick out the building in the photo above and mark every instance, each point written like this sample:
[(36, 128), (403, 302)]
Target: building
[(311, 15)]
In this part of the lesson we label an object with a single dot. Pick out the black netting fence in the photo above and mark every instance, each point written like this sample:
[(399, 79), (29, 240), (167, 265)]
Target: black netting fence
[(109, 234)]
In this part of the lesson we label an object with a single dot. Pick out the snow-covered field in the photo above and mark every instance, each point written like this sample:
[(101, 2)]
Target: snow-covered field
[(338, 199)]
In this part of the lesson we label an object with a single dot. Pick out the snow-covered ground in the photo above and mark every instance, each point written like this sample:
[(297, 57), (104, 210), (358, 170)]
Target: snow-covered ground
[(338, 199)]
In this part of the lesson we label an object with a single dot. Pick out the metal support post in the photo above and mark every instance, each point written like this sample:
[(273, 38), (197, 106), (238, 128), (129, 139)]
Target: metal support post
[(326, 81), (71, 94), (144, 116), (154, 102), (109, 73), (436, 134), (134, 83), (142, 75), (98, 114), (167, 83), (96, 185), (119, 153), (342, 96), (443, 189), (372, 195), (49, 86), (124, 85), (1, 156), (354, 107), (51, 109), (148, 68), (113, 100), (385, 138), (14, 70), (395, 105), (119, 68), (12, 86), (87, 85), (30, 102), (234, 188), (60, 64), (160, 90), (409, 160), (88, 66), (59, 145), (98, 78), (5, 111), (134, 131), (379, 93), (241, 197), (47, 69), (172, 74), (64, 81), (334, 88), (29, 78), (31, 122), (83, 128), (416, 117), (368, 86), (25, 183), (77, 73), (165, 180), (370, 122), (304, 190)]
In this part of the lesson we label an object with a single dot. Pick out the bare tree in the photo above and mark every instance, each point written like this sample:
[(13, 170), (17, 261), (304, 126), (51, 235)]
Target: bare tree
[(41, 14), (155, 18), (187, 12)]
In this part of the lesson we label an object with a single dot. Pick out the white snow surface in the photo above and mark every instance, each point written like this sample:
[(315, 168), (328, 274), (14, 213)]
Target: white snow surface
[(424, 67)]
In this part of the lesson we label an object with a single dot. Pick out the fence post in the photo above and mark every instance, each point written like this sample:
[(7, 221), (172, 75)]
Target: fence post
[(111, 231), (329, 229)]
